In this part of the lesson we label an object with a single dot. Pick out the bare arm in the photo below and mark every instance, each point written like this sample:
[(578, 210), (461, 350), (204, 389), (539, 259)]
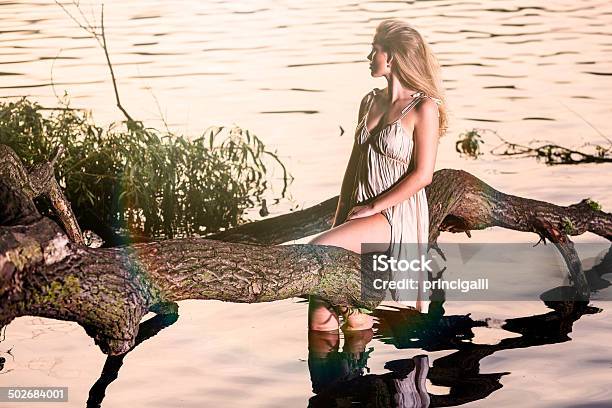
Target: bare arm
[(348, 182), (426, 147)]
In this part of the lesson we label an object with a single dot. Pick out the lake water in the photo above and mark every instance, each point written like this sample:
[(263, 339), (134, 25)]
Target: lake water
[(293, 73)]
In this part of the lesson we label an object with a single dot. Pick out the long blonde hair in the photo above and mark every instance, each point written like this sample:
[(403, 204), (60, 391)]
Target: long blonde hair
[(414, 63)]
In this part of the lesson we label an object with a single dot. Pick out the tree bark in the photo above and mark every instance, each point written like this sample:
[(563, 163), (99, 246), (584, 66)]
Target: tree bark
[(47, 271)]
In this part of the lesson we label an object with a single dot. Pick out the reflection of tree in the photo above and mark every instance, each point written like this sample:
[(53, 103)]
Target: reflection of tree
[(459, 371), (110, 371)]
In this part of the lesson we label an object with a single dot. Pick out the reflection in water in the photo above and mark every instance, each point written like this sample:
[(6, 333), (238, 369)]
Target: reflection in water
[(338, 377), (110, 371), (341, 378), (328, 366)]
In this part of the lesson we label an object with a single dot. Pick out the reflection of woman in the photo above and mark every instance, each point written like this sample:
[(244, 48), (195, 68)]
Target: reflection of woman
[(411, 391), (338, 377), (328, 366), (382, 199)]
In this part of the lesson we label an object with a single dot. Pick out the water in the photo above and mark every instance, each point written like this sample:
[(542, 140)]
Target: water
[(293, 72)]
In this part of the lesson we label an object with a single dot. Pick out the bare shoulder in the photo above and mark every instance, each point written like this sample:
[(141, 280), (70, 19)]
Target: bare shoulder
[(427, 107), (366, 99), (374, 93), (427, 119), (426, 111)]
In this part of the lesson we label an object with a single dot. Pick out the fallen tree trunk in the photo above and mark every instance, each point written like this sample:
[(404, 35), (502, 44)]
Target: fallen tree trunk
[(458, 202), (45, 272), (109, 290)]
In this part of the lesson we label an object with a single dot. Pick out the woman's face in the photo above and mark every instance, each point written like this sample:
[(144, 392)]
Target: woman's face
[(378, 61)]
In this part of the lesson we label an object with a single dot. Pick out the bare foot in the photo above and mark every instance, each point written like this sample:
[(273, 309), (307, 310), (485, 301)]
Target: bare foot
[(321, 343), (355, 341), (355, 320)]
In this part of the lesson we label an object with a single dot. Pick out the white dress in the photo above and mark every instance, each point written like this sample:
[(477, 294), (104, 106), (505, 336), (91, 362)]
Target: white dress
[(384, 159)]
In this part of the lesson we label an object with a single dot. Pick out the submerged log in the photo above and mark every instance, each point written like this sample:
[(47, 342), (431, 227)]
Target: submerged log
[(47, 271)]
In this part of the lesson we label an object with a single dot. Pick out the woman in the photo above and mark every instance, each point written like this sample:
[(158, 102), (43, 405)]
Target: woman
[(382, 199)]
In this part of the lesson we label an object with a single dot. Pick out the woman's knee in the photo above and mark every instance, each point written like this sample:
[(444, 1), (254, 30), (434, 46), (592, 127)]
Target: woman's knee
[(326, 238), (318, 240)]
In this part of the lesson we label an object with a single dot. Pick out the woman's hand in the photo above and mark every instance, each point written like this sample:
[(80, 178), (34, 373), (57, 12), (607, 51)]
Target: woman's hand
[(360, 211)]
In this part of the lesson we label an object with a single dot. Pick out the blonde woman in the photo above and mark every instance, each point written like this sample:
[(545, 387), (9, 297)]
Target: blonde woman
[(382, 199)]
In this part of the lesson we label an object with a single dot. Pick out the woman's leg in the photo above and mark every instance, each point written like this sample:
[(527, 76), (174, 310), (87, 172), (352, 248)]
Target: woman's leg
[(350, 235)]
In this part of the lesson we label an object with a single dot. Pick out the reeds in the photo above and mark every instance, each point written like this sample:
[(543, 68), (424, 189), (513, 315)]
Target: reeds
[(140, 181)]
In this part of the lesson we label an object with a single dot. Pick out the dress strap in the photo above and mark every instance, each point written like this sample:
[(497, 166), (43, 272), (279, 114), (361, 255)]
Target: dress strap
[(416, 98), (422, 95), (372, 94), (372, 98)]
